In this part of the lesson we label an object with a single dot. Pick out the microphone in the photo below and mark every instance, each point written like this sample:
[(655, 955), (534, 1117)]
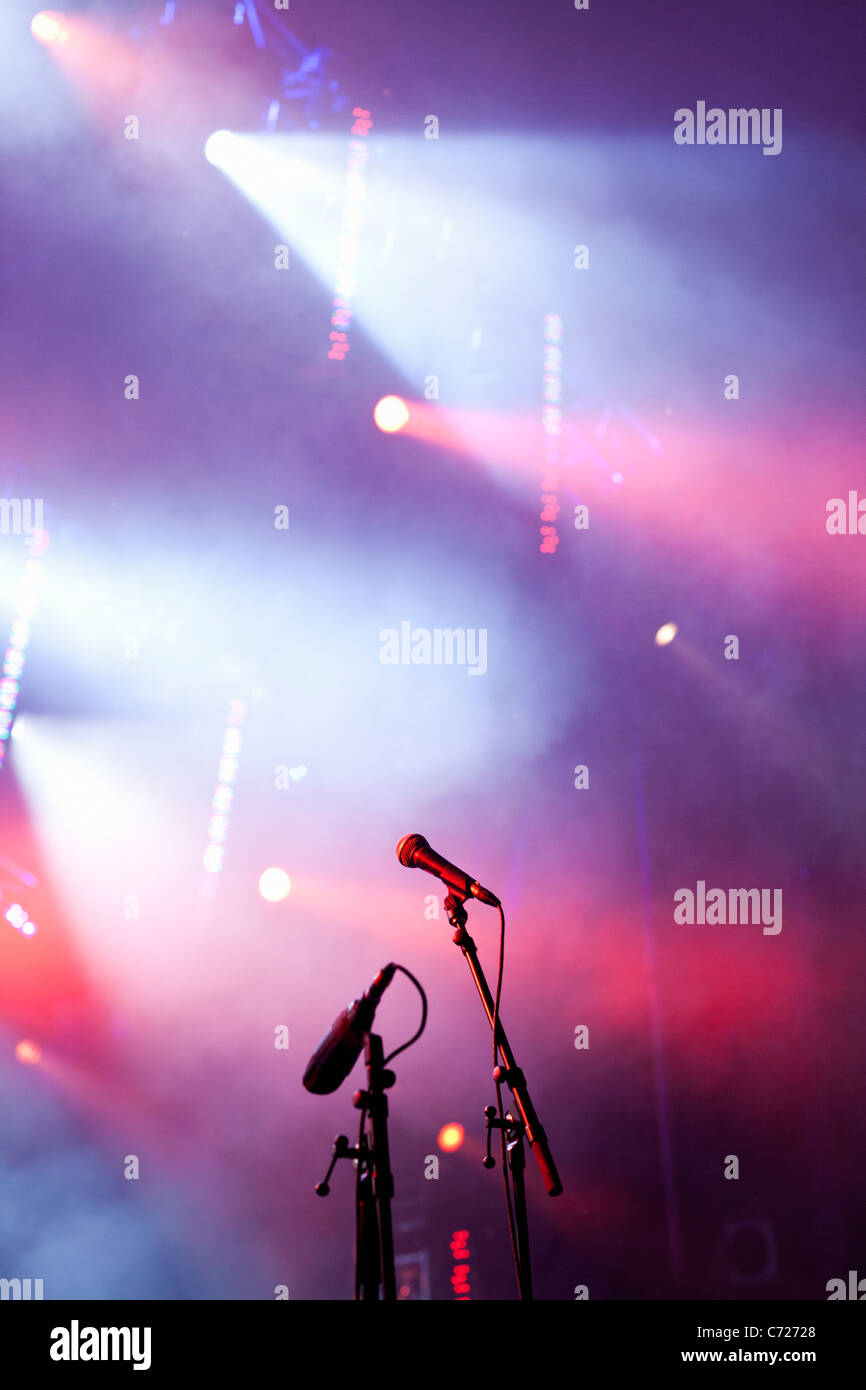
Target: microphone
[(414, 852), (340, 1048)]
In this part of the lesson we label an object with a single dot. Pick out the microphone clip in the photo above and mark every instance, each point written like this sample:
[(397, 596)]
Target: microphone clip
[(364, 1100), (455, 910), (514, 1129)]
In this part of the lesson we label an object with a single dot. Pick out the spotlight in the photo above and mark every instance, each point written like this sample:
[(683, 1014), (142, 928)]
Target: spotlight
[(274, 885), (17, 917), (28, 1053), (666, 634), (450, 1138), (217, 146), (48, 27), (391, 414)]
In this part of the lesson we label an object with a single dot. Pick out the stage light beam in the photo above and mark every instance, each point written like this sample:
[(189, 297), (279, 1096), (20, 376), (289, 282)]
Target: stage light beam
[(28, 1053), (17, 917), (274, 885), (666, 634), (48, 27), (450, 1138), (218, 146), (391, 414)]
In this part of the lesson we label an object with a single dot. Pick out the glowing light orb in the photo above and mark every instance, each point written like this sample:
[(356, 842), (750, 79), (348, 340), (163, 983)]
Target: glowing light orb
[(28, 1053), (47, 27), (666, 634), (274, 885), (29, 928), (451, 1137), (217, 146), (391, 414)]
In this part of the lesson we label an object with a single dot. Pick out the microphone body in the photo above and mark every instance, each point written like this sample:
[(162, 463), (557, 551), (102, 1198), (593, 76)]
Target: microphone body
[(341, 1046), (414, 852)]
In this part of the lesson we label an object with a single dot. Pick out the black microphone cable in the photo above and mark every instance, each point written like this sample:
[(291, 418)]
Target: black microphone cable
[(512, 1230), (415, 1036)]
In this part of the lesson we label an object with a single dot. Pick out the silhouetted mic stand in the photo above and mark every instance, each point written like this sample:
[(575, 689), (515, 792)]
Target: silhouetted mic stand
[(374, 1248), (525, 1121)]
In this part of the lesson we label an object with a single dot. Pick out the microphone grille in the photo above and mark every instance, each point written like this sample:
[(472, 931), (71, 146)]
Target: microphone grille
[(407, 847)]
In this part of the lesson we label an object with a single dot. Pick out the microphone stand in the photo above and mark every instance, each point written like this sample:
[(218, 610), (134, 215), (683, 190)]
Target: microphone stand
[(374, 1246), (526, 1122)]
